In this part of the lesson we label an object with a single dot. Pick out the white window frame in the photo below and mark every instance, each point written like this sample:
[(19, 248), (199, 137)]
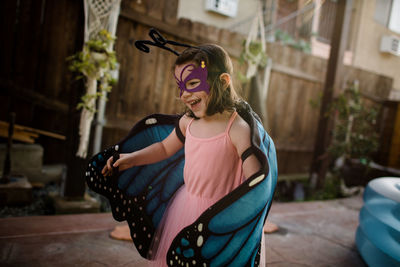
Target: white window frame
[(394, 19), (387, 12)]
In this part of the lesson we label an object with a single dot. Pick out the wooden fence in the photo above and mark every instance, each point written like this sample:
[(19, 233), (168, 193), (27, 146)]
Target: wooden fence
[(146, 84), (296, 80), (36, 38)]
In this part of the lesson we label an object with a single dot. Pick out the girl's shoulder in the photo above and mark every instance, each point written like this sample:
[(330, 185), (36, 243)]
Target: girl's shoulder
[(240, 134), (183, 123), (239, 128)]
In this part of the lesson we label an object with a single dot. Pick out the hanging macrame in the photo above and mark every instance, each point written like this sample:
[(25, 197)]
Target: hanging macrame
[(101, 17), (254, 48), (255, 55)]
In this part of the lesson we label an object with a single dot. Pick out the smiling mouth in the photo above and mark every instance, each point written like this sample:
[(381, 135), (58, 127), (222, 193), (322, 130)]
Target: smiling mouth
[(194, 102)]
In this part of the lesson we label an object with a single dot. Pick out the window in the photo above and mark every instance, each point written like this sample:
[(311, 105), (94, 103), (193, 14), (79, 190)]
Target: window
[(327, 21), (387, 12), (394, 21)]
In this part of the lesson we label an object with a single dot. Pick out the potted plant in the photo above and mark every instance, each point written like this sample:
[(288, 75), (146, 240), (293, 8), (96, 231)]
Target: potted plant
[(96, 63), (355, 138)]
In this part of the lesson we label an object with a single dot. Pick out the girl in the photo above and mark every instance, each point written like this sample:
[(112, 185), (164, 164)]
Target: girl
[(214, 137)]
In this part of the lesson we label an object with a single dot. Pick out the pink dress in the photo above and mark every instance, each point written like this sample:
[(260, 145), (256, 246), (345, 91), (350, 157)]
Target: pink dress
[(212, 170)]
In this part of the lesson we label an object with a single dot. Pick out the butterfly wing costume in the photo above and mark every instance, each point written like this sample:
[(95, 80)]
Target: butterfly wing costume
[(227, 234)]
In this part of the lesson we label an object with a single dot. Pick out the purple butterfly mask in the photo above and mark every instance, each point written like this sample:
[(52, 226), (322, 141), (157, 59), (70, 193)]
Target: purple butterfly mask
[(196, 73)]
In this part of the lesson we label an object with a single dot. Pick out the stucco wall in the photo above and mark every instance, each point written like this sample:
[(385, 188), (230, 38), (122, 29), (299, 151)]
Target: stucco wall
[(367, 53), (195, 11)]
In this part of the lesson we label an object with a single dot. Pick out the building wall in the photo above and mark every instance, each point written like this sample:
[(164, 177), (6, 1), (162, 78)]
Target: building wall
[(366, 54), (363, 44), (195, 11)]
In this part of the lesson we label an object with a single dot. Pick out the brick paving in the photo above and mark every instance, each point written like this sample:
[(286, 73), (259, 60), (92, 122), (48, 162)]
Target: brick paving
[(311, 234)]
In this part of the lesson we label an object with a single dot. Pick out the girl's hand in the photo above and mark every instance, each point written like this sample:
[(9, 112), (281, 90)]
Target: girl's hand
[(124, 162), (107, 170)]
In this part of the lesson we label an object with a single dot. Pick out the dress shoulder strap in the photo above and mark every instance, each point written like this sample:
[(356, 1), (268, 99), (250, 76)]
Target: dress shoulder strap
[(188, 126), (190, 123), (231, 120)]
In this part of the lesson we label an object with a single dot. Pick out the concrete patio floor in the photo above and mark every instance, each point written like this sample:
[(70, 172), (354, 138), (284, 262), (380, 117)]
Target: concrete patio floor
[(317, 233)]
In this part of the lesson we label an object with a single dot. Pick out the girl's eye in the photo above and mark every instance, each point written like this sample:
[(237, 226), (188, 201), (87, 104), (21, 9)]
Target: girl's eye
[(192, 84)]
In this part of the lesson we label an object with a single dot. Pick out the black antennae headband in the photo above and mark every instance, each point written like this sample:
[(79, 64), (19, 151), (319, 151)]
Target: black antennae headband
[(159, 41)]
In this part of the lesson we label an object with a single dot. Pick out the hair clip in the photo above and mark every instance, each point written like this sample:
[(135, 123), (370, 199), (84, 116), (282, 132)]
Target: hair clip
[(159, 41)]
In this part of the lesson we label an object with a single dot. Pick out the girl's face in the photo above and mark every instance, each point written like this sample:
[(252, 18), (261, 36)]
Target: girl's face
[(195, 100)]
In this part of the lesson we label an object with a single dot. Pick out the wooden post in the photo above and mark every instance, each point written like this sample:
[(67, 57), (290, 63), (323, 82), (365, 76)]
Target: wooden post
[(7, 161), (74, 186), (394, 154), (321, 158)]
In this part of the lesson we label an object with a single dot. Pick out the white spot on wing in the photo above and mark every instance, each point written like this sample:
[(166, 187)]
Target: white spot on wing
[(151, 121), (200, 241), (257, 180)]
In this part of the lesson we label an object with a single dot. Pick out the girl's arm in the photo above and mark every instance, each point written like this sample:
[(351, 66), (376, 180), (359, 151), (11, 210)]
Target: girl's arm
[(151, 154), (240, 136)]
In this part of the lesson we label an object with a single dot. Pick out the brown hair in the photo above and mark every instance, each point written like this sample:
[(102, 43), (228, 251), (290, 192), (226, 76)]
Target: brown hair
[(217, 61)]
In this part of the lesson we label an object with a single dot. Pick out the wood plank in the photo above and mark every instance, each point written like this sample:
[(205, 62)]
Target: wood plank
[(394, 153), (294, 72), (121, 124), (310, 116), (26, 43), (19, 136), (299, 103), (175, 30), (213, 33), (224, 37), (34, 97), (161, 93), (291, 123), (127, 56), (72, 39), (55, 49), (293, 147), (8, 10), (292, 177), (33, 131), (139, 101), (138, 6), (298, 162), (274, 108), (170, 14), (155, 8)]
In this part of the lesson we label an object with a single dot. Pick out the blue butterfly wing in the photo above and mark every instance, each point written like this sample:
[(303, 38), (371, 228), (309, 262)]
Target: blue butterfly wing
[(229, 232), (140, 194)]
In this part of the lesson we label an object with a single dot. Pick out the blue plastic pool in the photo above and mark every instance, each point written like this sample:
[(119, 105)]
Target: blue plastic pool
[(378, 234)]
